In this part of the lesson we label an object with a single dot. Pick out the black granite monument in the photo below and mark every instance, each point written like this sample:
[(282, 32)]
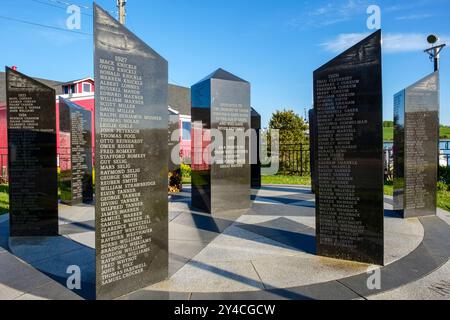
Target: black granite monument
[(349, 154), (75, 179), (255, 148), (33, 180), (131, 160), (222, 102), (312, 147), (416, 148)]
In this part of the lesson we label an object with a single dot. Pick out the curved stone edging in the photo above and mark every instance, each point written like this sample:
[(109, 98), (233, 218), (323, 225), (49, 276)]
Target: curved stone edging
[(430, 255)]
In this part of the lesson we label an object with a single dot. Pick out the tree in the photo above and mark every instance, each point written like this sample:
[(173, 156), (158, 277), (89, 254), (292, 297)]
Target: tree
[(388, 124), (292, 127)]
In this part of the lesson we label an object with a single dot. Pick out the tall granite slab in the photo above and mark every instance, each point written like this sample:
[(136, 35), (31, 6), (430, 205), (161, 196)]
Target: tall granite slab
[(349, 154), (131, 160), (33, 181), (222, 102), (312, 147), (255, 150), (416, 148), (75, 157)]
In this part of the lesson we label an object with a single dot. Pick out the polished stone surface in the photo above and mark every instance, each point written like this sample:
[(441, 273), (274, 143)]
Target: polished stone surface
[(416, 148), (312, 147), (33, 184), (174, 137), (349, 154), (131, 160), (75, 157), (222, 102), (254, 149)]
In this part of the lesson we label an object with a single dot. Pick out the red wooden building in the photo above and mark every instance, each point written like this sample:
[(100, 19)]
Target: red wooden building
[(82, 93)]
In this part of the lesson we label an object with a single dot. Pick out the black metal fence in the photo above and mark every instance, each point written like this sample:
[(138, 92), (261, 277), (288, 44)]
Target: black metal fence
[(294, 159)]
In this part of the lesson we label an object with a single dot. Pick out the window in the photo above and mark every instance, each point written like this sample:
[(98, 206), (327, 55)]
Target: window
[(66, 89), (86, 87), (186, 131), (72, 89)]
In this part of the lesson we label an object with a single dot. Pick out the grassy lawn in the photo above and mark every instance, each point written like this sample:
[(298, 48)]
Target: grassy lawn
[(388, 133), (444, 200), (187, 180), (443, 196), (4, 199), (305, 181), (445, 132)]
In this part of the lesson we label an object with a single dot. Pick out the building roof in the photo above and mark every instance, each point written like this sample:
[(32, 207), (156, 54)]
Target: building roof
[(78, 81), (57, 85), (179, 97)]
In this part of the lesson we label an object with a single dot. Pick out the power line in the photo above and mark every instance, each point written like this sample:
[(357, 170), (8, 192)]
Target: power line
[(59, 7), (43, 25)]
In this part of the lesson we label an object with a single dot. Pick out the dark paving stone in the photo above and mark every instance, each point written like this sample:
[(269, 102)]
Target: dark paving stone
[(266, 209), (286, 232), (203, 222), (432, 254), (156, 295), (77, 227), (286, 189)]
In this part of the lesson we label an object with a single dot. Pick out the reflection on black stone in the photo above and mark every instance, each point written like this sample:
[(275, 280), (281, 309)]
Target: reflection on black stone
[(221, 102), (131, 160), (312, 147), (75, 156), (255, 152), (416, 151), (32, 157), (349, 154)]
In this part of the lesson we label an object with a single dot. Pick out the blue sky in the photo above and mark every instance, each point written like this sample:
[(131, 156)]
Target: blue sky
[(276, 45)]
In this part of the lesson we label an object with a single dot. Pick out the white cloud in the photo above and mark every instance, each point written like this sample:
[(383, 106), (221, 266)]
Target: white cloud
[(392, 42), (331, 13), (415, 17)]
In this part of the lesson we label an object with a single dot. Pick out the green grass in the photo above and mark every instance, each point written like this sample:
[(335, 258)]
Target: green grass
[(187, 180), (388, 133), (445, 132), (443, 196), (4, 199), (295, 180), (444, 200)]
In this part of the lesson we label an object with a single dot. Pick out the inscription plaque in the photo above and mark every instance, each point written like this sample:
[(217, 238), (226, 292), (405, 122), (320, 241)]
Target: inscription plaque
[(312, 147), (416, 148), (33, 180), (255, 146), (221, 101), (349, 154), (131, 160), (75, 156)]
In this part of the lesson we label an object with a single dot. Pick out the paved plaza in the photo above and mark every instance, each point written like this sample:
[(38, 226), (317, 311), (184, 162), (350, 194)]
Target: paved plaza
[(267, 252)]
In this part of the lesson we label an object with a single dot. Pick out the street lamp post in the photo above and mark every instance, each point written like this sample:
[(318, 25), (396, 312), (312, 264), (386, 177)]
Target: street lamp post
[(435, 51)]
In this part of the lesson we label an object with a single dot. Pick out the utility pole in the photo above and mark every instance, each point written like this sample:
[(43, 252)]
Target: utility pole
[(121, 8), (435, 51)]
